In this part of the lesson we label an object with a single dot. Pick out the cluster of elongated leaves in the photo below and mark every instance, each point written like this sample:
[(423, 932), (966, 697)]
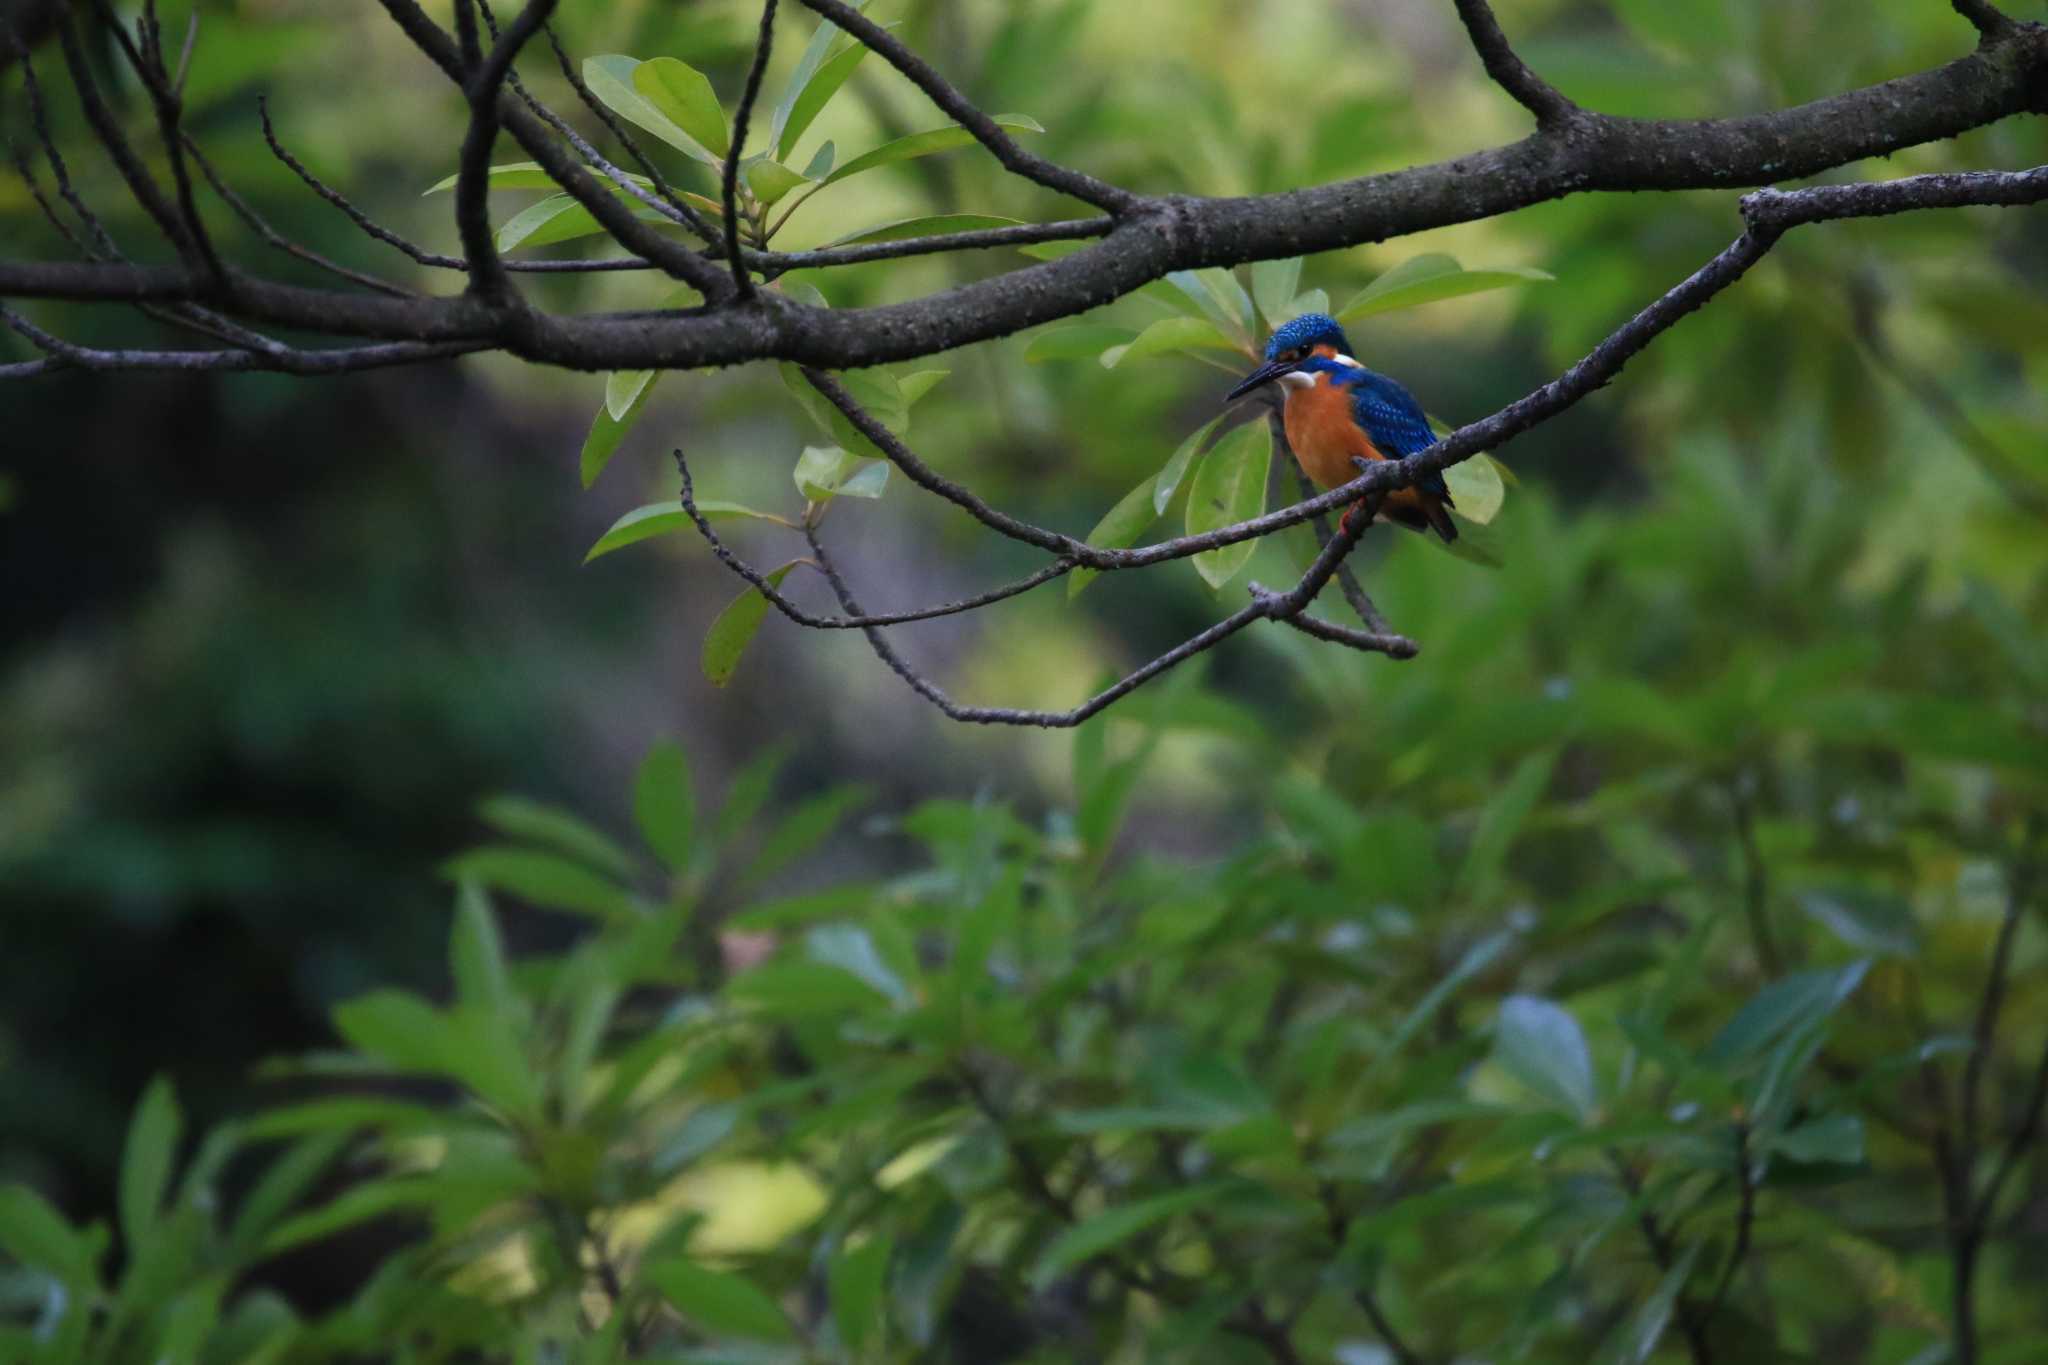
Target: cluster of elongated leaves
[(1010, 1073)]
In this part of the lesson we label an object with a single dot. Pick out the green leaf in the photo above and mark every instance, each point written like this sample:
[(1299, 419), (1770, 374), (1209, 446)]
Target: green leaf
[(821, 162), (1782, 1008), (543, 878), (875, 390), (146, 1160), (662, 518), (1637, 1341), (1274, 285), (1310, 301), (611, 79), (915, 145), (685, 98), (820, 470), (917, 384), (36, 1235), (1500, 824), (851, 949), (520, 175), (1868, 921), (723, 1305), (856, 1281), (623, 390), (930, 225), (1167, 482), (1697, 33), (1119, 528), (804, 827), (871, 480), (397, 1028), (1428, 278), (797, 990), (1113, 1227), (1540, 1044), (1837, 1138), (771, 180), (1085, 341), (476, 953), (811, 86), (1229, 486), (664, 805), (1170, 335), (558, 218), (817, 94), (1476, 488), (545, 824), (607, 431), (1476, 959), (734, 629)]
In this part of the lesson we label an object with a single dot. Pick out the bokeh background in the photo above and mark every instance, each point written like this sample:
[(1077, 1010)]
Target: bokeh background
[(268, 641)]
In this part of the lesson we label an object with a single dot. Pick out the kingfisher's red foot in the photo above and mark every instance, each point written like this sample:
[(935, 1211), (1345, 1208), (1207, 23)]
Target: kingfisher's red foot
[(1349, 512)]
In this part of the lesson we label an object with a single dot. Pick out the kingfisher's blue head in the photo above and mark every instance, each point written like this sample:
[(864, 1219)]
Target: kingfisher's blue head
[(1309, 335)]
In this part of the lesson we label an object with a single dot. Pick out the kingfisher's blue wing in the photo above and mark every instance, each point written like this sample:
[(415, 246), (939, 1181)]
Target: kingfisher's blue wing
[(1393, 419)]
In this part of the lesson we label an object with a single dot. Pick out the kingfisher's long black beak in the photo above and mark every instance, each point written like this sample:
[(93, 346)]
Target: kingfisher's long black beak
[(1265, 374)]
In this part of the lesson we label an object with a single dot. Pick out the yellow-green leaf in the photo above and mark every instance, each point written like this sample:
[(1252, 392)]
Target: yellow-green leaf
[(1476, 488), (723, 1305), (611, 79), (1119, 528), (1168, 336), (1428, 278), (1176, 467), (771, 180), (664, 518), (606, 431), (913, 145), (684, 96)]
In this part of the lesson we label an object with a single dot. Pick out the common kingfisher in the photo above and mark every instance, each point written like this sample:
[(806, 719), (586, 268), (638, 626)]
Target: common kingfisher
[(1335, 410)]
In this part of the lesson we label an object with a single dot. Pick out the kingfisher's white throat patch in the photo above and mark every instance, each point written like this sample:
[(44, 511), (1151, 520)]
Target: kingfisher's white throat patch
[(1298, 379)]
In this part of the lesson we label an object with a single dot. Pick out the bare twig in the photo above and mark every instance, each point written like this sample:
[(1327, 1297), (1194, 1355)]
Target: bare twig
[(1984, 16), (1509, 71), (986, 130), (743, 283)]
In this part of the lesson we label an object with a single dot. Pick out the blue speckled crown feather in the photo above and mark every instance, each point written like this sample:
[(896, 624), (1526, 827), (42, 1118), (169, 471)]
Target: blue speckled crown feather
[(1310, 329)]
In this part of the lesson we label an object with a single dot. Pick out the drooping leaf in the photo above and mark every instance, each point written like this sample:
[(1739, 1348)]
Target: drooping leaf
[(1119, 528), (662, 518), (665, 805), (476, 953), (683, 95), (1868, 921), (1838, 1138), (821, 162), (1428, 278), (611, 79), (623, 389), (932, 140), (1540, 1044), (607, 431), (1229, 486), (929, 225), (871, 480), (734, 629), (35, 1235)]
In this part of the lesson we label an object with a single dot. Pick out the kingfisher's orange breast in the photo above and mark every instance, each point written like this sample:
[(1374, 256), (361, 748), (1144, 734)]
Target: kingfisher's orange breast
[(1324, 435)]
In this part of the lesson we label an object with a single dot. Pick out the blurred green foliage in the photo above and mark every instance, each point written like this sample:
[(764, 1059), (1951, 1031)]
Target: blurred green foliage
[(1473, 984)]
